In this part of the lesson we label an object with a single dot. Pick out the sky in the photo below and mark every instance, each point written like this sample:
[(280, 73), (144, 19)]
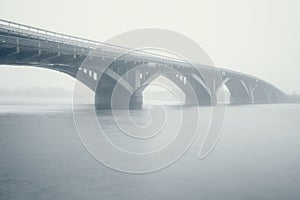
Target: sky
[(258, 37)]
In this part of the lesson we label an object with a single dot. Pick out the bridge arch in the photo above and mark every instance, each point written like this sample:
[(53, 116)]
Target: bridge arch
[(203, 93), (222, 95), (30, 46), (167, 84), (259, 94), (239, 92), (194, 91), (276, 97)]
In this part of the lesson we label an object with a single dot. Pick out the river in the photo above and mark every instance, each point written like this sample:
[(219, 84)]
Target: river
[(257, 157)]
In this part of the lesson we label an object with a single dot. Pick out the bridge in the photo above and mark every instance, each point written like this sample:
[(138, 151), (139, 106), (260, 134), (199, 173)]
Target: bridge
[(131, 73)]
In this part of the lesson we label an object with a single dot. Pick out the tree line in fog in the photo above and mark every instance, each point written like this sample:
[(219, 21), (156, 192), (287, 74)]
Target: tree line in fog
[(35, 92), (294, 98)]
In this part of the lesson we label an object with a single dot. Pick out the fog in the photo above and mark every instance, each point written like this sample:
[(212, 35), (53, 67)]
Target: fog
[(259, 37)]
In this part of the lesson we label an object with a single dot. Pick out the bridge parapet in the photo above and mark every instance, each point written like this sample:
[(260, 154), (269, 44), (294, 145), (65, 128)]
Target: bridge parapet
[(26, 45)]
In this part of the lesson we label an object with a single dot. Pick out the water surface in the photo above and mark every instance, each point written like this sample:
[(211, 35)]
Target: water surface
[(42, 158)]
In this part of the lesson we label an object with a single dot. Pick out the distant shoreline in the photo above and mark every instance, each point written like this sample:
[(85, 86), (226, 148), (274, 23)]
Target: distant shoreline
[(46, 92), (294, 98)]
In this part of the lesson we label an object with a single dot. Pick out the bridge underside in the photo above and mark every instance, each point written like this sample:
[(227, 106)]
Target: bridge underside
[(238, 92), (24, 50), (259, 95), (112, 93), (251, 91)]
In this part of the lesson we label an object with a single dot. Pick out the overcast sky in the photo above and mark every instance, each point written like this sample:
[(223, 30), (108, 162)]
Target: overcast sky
[(259, 37)]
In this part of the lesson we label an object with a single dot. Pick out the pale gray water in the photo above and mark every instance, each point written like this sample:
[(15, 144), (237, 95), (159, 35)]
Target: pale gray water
[(257, 158)]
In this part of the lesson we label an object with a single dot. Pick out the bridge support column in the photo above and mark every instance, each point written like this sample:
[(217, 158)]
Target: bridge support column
[(277, 97), (103, 101), (136, 101), (259, 95), (107, 102), (236, 100), (239, 92), (116, 92), (199, 95)]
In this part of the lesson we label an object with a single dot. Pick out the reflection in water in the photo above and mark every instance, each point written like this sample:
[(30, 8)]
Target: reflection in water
[(43, 158)]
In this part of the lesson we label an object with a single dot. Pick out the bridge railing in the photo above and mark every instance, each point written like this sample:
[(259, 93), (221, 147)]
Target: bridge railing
[(38, 33)]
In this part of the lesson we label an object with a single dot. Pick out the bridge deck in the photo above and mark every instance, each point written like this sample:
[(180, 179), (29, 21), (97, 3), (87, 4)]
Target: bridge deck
[(20, 42)]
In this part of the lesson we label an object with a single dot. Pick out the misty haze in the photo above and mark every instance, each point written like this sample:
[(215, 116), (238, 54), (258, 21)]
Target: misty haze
[(149, 100)]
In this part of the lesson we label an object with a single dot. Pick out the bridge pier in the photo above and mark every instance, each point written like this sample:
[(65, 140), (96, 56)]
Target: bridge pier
[(275, 97), (67, 54), (115, 93), (239, 92), (198, 100), (108, 102), (103, 101), (136, 102), (199, 95), (259, 95), (236, 100)]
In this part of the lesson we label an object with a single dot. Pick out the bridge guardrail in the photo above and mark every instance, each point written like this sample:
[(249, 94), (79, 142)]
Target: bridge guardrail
[(38, 33), (48, 39)]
